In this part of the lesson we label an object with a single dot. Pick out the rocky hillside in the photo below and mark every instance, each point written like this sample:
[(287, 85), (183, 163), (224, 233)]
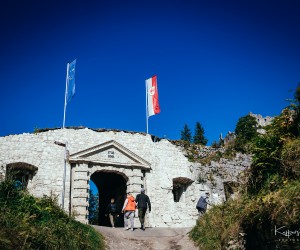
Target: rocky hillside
[(217, 166)]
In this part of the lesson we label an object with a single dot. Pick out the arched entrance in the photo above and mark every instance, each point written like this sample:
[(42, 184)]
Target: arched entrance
[(113, 168), (110, 184)]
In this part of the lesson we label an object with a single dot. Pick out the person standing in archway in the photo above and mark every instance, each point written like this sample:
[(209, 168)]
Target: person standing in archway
[(111, 210), (143, 202), (128, 210)]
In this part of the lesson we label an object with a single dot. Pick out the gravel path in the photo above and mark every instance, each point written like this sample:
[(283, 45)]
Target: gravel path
[(151, 238)]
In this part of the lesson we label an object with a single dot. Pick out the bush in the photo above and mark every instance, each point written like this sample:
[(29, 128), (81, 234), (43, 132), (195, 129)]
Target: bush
[(266, 161), (39, 223), (290, 158), (246, 131), (255, 217), (218, 226)]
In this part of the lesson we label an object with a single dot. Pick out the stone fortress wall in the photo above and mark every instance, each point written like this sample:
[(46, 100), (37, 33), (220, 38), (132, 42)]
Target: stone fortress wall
[(170, 179), (262, 122)]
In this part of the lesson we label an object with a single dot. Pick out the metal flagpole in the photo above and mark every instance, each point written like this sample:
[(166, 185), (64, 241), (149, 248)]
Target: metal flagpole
[(146, 108), (65, 160), (65, 107)]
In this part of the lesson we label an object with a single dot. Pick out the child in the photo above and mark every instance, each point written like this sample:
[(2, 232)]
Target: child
[(111, 210)]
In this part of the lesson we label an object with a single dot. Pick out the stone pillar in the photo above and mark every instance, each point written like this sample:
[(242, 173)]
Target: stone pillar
[(80, 192), (67, 187)]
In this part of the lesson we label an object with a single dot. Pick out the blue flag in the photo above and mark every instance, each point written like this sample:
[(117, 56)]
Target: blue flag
[(71, 81)]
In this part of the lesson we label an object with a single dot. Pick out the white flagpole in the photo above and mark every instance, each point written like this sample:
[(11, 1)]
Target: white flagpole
[(65, 107), (65, 160), (146, 107)]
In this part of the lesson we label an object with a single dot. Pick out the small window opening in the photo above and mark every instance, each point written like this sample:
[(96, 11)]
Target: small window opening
[(177, 192), (180, 186), (21, 173)]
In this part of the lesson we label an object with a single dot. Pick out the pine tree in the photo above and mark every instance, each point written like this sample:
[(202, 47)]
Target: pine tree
[(199, 137), (186, 134)]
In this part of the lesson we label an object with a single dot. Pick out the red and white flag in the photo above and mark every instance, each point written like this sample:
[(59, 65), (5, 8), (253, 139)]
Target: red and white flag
[(152, 96)]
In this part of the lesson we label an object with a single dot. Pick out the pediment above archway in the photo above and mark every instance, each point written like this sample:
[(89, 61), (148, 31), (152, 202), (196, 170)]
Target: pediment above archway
[(110, 153)]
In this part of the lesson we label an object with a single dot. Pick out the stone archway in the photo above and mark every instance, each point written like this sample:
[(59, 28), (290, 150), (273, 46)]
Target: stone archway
[(110, 184), (111, 160)]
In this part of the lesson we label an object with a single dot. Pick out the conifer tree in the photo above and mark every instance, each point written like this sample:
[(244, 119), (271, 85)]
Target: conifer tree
[(199, 137), (186, 134)]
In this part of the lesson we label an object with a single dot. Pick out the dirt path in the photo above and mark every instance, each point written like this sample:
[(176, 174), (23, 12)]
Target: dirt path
[(151, 238)]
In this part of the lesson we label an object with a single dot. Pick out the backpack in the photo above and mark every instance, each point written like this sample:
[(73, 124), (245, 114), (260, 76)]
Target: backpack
[(202, 203)]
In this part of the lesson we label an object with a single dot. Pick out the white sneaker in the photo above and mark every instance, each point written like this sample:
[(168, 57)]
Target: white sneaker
[(126, 228), (131, 229)]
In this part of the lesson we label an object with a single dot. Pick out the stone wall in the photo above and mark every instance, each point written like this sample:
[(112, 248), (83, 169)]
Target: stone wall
[(170, 179), (262, 121)]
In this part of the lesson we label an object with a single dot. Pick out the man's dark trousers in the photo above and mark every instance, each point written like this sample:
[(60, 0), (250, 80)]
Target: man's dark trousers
[(142, 212)]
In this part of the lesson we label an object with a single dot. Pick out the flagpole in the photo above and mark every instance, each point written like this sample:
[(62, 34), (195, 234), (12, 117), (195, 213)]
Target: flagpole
[(146, 108), (65, 107), (65, 161)]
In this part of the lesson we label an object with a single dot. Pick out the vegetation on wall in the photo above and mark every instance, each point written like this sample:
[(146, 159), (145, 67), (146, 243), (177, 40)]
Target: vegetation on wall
[(198, 153), (39, 223), (270, 198)]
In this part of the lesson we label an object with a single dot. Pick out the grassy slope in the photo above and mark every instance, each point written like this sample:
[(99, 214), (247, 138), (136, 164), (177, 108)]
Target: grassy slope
[(255, 216), (30, 223)]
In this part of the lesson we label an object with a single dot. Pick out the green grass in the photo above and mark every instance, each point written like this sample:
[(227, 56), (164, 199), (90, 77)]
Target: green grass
[(254, 215), (39, 223)]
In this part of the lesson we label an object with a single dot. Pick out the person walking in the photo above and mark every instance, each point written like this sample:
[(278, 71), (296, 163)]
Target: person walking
[(143, 202), (128, 210), (112, 211), (202, 204)]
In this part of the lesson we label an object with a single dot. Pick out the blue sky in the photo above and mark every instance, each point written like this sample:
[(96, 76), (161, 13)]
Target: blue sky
[(215, 61)]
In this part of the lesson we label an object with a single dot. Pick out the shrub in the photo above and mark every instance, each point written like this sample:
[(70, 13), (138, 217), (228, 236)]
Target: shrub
[(266, 161), (255, 217), (39, 223), (290, 158), (215, 228), (246, 131)]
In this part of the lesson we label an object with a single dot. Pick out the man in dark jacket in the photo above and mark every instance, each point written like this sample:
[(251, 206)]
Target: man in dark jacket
[(112, 211), (143, 202), (202, 204)]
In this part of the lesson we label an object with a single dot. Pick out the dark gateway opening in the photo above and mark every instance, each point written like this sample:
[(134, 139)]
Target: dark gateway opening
[(110, 185)]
